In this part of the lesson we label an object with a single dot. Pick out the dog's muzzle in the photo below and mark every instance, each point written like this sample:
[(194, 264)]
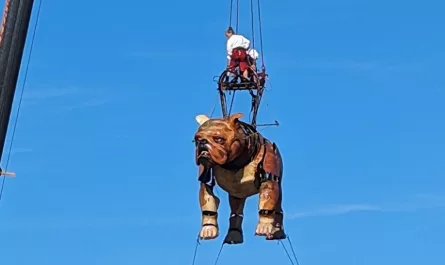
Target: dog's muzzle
[(203, 152)]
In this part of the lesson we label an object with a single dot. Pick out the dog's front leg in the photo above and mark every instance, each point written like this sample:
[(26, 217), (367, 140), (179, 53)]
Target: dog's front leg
[(209, 208)]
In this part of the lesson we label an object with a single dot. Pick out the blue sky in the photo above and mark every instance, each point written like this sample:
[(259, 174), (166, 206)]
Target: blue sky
[(103, 152)]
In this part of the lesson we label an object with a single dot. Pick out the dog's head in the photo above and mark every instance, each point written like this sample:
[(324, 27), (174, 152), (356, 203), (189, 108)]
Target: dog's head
[(219, 141)]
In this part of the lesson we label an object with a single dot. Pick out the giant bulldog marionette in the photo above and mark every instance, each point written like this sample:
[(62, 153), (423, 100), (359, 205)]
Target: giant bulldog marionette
[(243, 163)]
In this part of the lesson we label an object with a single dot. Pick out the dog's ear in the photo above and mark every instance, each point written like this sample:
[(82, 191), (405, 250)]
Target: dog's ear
[(202, 118), (235, 118)]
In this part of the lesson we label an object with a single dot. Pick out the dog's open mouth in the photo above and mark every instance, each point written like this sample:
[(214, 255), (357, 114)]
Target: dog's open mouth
[(204, 158), (204, 154)]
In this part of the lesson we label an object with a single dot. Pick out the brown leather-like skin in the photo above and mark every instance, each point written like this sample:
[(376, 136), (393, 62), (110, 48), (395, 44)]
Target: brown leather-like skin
[(232, 154)]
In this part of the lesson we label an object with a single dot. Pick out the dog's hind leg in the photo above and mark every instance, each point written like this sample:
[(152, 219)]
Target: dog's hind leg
[(235, 233), (270, 223), (278, 229), (268, 199)]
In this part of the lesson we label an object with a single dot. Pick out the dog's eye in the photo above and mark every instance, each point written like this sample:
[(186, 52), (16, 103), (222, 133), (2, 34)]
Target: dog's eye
[(219, 140)]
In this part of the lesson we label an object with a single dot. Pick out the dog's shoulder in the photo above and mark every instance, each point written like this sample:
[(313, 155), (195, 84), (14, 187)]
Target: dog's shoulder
[(272, 162)]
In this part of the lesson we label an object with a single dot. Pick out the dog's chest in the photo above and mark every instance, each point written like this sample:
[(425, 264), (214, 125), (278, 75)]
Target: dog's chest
[(239, 183)]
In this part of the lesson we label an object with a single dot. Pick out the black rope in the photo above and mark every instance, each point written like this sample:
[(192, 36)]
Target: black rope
[(237, 15), (279, 242), (214, 107), (292, 248), (231, 11), (253, 22), (219, 254), (261, 33), (196, 250), (231, 103), (21, 97), (287, 253)]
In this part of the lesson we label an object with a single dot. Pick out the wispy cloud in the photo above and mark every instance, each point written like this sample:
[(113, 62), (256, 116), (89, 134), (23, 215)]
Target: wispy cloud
[(66, 99), (426, 201), (336, 210), (43, 96), (357, 65), (91, 222), (433, 200), (48, 93), (17, 150), (87, 104), (168, 54), (363, 66)]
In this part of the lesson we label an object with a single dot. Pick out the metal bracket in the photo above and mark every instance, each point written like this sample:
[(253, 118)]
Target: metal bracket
[(268, 124), (7, 174)]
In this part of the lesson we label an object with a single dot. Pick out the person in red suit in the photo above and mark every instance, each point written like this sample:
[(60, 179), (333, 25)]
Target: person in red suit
[(237, 47)]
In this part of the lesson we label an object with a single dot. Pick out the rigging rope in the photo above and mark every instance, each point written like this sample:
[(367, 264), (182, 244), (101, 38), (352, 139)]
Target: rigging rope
[(279, 242), (237, 15), (253, 22), (287, 252), (256, 98), (21, 97), (196, 250), (231, 14), (292, 248), (231, 103), (219, 254), (261, 34)]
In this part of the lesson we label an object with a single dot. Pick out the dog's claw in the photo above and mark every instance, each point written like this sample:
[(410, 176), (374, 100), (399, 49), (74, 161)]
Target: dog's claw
[(234, 236), (208, 232)]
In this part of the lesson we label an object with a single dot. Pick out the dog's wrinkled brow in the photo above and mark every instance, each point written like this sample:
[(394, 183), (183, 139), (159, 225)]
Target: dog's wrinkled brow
[(215, 125)]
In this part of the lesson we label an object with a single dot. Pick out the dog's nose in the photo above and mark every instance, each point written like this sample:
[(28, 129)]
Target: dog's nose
[(202, 144)]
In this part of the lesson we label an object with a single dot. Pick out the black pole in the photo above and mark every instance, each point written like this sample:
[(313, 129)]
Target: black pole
[(12, 43), (6, 30)]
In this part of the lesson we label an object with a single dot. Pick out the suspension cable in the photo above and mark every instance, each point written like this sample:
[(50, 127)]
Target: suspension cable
[(291, 260), (196, 251), (231, 102), (237, 15), (257, 98), (219, 254), (253, 22), (230, 14), (261, 34), (21, 97)]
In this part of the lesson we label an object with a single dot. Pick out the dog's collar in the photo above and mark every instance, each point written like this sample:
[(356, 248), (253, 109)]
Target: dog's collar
[(254, 141)]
